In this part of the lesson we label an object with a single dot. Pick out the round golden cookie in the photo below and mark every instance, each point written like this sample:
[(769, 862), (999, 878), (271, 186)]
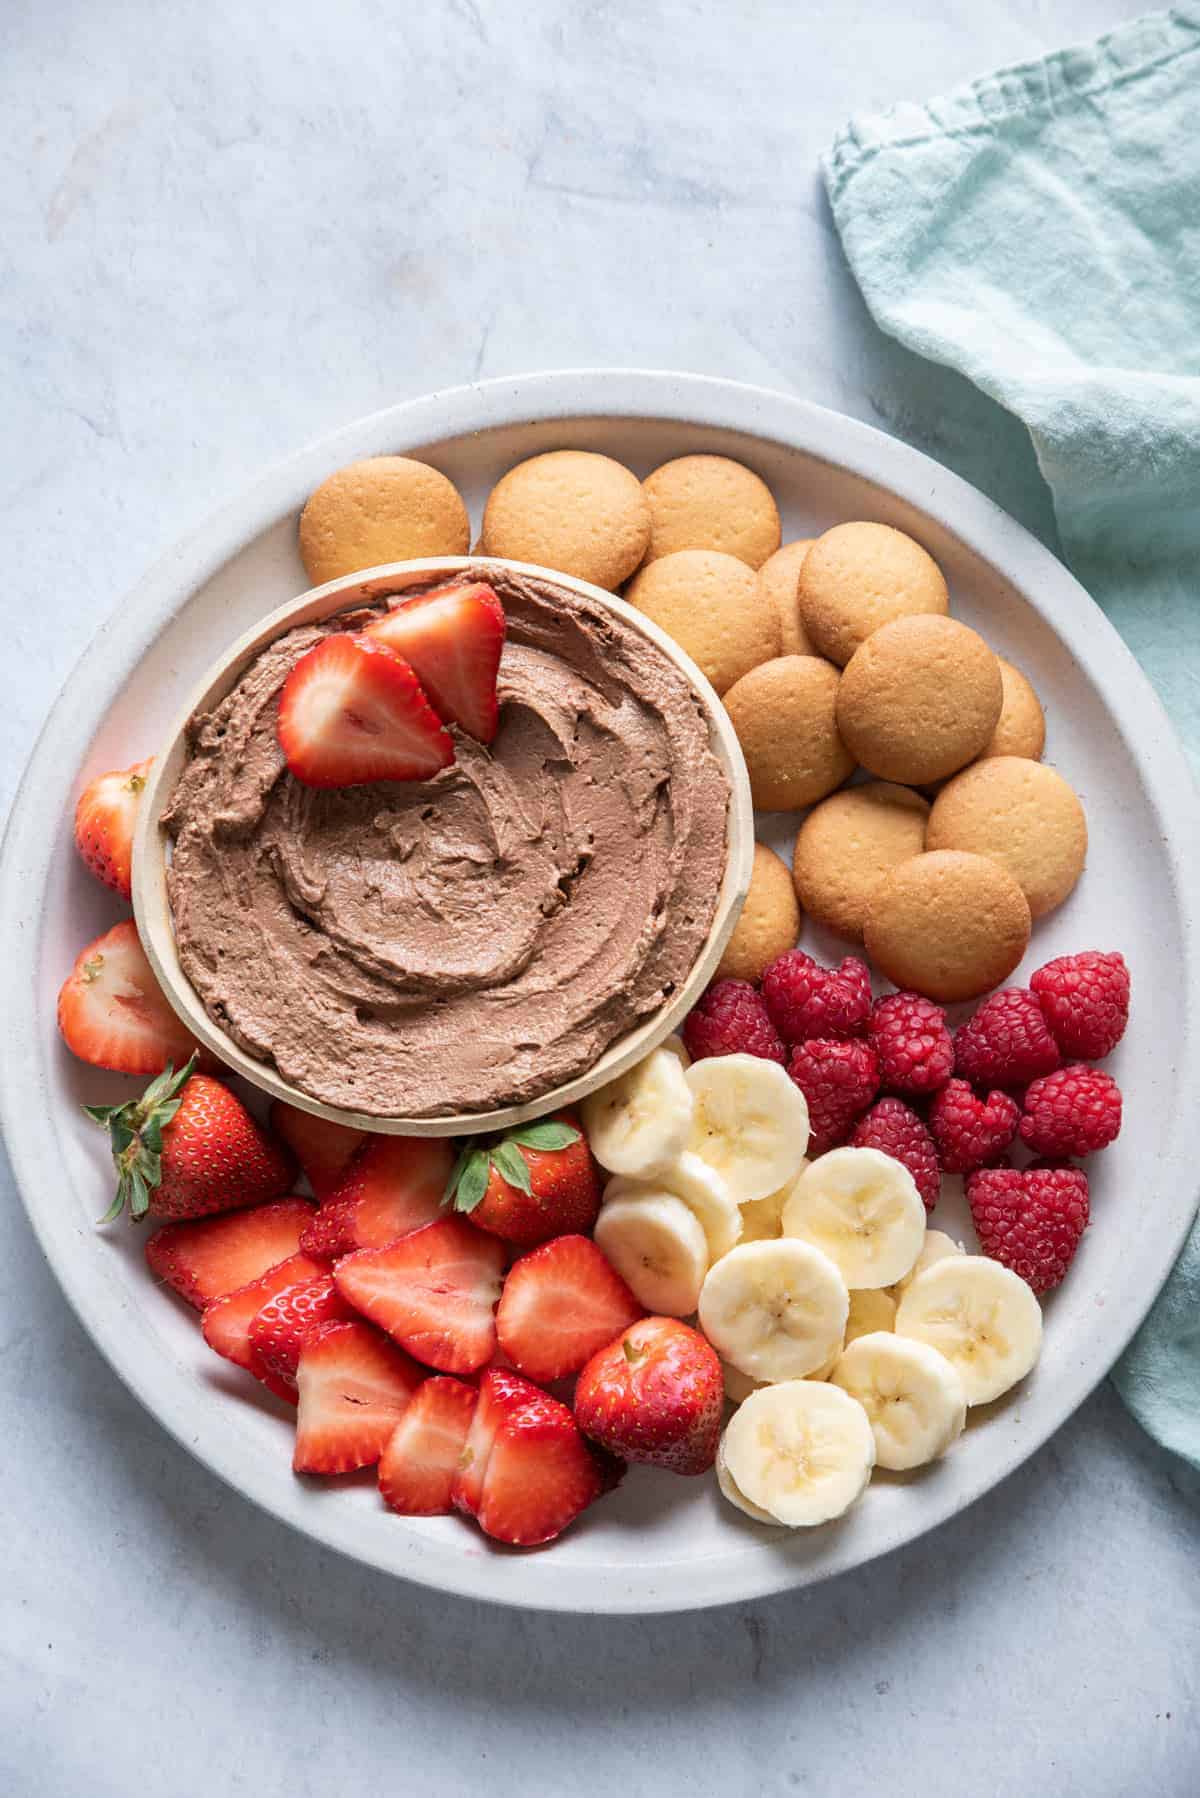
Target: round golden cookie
[(1021, 729), (784, 716), (858, 577), (769, 923), (709, 502), (570, 510), (1023, 815), (947, 924), (711, 605), (849, 844), (385, 509), (778, 579), (919, 699)]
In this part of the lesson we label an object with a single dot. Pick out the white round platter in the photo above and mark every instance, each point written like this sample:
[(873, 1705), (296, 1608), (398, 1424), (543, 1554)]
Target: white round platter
[(660, 1543)]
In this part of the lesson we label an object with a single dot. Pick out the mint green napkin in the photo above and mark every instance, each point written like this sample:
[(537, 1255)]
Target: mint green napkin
[(1040, 231)]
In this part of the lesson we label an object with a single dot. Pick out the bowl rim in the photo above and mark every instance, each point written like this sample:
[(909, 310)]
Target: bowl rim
[(152, 911)]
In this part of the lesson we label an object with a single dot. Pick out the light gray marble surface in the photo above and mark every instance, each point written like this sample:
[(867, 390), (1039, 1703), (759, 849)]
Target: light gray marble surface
[(225, 228)]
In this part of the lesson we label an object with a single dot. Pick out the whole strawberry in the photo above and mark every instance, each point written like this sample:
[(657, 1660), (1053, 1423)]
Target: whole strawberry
[(1074, 1111), (838, 1080), (105, 818), (189, 1147), (732, 1019), (1085, 999), (1007, 1043), (969, 1131), (1030, 1218), (807, 1001), (539, 1181), (655, 1395), (914, 1046), (894, 1129)]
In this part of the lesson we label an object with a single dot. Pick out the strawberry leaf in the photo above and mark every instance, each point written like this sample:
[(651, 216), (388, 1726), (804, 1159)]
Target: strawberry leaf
[(544, 1136), (473, 1180), (510, 1162), (456, 1174)]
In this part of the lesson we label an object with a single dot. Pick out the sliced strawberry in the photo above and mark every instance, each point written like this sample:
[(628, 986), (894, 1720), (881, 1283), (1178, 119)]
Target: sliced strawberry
[(434, 1291), (112, 1012), (453, 638), (226, 1322), (417, 1468), (392, 1186), (354, 1387), (321, 1148), (214, 1255), (501, 1395), (540, 1475), (104, 820), (278, 1332), (562, 1302), (352, 711)]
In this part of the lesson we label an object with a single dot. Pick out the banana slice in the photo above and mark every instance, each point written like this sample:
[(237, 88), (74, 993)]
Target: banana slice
[(914, 1398), (657, 1246), (674, 1045), (870, 1309), (732, 1491), (801, 1451), (762, 1219), (775, 1310), (936, 1248), (981, 1316), (640, 1122), (702, 1190), (750, 1123), (863, 1208)]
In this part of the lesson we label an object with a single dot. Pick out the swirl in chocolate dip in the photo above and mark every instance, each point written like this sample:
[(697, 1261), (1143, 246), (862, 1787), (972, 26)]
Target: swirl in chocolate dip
[(410, 949)]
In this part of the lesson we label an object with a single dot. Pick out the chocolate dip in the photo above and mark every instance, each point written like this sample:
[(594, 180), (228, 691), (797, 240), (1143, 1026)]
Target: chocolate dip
[(416, 948)]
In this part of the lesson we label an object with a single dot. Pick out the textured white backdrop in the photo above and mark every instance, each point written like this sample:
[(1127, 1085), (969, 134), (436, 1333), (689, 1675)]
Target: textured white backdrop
[(225, 228)]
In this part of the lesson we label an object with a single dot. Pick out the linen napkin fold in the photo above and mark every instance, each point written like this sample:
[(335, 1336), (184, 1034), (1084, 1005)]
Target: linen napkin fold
[(1040, 231)]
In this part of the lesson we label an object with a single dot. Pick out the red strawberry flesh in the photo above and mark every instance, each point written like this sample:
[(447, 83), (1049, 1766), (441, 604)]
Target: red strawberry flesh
[(354, 1386), (434, 1292), (352, 712), (105, 817), (278, 1332), (111, 1010), (540, 1475), (211, 1256), (391, 1186), (501, 1394), (418, 1466), (322, 1149), (226, 1322), (561, 1302), (453, 638)]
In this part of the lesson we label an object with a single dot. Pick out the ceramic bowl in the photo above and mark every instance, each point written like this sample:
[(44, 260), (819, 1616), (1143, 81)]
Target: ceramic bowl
[(152, 849)]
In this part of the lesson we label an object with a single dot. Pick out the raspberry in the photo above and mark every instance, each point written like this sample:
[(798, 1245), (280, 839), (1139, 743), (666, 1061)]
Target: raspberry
[(1030, 1218), (895, 1130), (1007, 1042), (807, 1001), (1072, 1112), (731, 1019), (1085, 999), (915, 1049), (839, 1080), (970, 1132)]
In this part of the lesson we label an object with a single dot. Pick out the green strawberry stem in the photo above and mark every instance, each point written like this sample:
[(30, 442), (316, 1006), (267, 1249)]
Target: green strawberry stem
[(135, 1131), (470, 1174)]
